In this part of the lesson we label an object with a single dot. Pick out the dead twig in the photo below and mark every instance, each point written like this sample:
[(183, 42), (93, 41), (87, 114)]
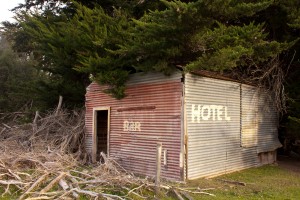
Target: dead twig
[(130, 191), (40, 198), (186, 195), (177, 194), (34, 185), (12, 182), (53, 182), (233, 182), (59, 105), (195, 192), (63, 184), (6, 126)]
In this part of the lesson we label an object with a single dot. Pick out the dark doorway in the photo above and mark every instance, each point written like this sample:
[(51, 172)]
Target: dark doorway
[(101, 132)]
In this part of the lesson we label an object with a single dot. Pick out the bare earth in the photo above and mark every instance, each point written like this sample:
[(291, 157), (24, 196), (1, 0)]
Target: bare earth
[(289, 162)]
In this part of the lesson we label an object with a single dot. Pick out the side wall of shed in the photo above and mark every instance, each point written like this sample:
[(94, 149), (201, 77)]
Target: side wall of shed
[(213, 128), (152, 101), (259, 120), (267, 124), (227, 125)]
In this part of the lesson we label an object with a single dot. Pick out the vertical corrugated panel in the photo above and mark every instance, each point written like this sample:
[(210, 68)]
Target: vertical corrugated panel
[(267, 124), (249, 105), (212, 109), (154, 103)]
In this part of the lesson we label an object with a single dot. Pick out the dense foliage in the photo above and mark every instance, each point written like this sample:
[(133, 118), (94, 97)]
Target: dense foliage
[(17, 77), (76, 41)]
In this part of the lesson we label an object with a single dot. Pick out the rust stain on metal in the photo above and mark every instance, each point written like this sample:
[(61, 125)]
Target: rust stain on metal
[(136, 108)]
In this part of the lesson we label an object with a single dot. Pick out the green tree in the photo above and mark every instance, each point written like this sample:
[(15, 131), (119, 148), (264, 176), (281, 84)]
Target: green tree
[(17, 78), (211, 35), (64, 38), (110, 39), (288, 28)]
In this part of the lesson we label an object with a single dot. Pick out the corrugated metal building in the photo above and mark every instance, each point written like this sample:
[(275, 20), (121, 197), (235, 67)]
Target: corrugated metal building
[(207, 126)]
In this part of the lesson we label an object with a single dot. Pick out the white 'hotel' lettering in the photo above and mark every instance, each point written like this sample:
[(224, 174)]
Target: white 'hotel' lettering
[(209, 112)]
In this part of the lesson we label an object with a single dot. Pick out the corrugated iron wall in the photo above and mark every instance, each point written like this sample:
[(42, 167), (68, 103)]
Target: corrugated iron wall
[(259, 120), (213, 127), (249, 118), (267, 124), (153, 102), (226, 124)]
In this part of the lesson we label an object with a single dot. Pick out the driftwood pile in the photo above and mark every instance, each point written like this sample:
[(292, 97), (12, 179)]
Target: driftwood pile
[(45, 159)]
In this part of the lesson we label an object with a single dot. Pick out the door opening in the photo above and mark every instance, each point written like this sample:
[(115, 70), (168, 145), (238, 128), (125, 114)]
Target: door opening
[(101, 130)]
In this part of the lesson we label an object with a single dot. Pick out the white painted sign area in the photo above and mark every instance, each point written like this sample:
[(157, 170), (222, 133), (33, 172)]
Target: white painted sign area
[(131, 126), (209, 112)]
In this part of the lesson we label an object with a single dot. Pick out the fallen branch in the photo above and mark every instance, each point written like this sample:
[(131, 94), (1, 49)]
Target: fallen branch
[(6, 126), (91, 182), (203, 193), (12, 182), (186, 195), (142, 197), (34, 185), (63, 184), (233, 182), (53, 182), (4, 129), (6, 191), (40, 198), (177, 194), (195, 192), (34, 123), (130, 191), (14, 175), (86, 192), (59, 105)]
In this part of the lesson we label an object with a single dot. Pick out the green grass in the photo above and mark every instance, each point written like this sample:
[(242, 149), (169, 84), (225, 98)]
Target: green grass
[(13, 193), (267, 182)]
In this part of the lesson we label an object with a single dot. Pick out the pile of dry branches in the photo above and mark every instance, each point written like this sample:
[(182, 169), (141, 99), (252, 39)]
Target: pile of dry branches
[(70, 183), (56, 138), (45, 160), (49, 153)]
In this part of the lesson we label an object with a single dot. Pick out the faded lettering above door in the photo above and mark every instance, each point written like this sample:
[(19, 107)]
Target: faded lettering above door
[(209, 112)]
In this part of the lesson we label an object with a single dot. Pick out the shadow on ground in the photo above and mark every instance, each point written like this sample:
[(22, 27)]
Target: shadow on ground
[(291, 162)]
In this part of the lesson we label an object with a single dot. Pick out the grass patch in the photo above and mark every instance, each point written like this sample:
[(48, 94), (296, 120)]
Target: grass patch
[(267, 182), (13, 193)]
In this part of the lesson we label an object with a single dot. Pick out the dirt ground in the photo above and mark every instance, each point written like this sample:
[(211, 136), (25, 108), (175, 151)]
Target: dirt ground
[(291, 162)]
